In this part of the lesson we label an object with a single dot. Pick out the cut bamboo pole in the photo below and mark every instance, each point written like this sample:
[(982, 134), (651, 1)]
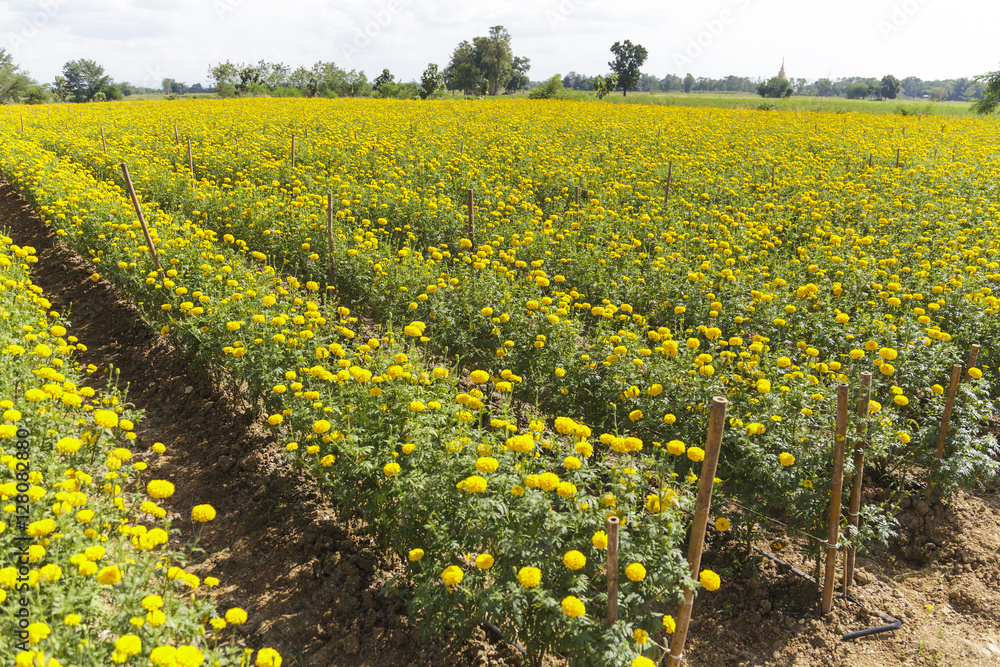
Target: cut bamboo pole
[(870, 159), (142, 219), (717, 423), (949, 405), (666, 190), (854, 510), (177, 138), (103, 142), (329, 234), (835, 493), (190, 160), (472, 215), (973, 358), (897, 158), (612, 569), (293, 151), (576, 193)]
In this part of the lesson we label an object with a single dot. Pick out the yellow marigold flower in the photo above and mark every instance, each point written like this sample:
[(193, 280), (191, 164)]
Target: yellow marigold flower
[(266, 657), (669, 624), (473, 484), (786, 459), (571, 463), (600, 540), (73, 620), (635, 572), (151, 602), (640, 636), (417, 406), (900, 400), (391, 468), (709, 580), (41, 528), (763, 386), (452, 575), (975, 373), (696, 454), (129, 645), (722, 524), (755, 428), (35, 395), (573, 607), (529, 576), (105, 418), (548, 481), (487, 464), (275, 419), (160, 489), (479, 377), (574, 560), (236, 616), (109, 575), (202, 513), (635, 415), (416, 554)]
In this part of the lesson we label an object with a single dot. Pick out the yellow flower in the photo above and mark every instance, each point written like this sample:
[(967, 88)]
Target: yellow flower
[(479, 377), (266, 657), (41, 528), (473, 484), (600, 540), (640, 636), (696, 454), (484, 561), (160, 489), (573, 607), (529, 576), (635, 415), (709, 580), (452, 575), (572, 463), (786, 459), (391, 469), (416, 554), (105, 418), (669, 624), (109, 575), (236, 616), (417, 406), (975, 373), (129, 645), (203, 513), (574, 560), (763, 386), (635, 572), (722, 524)]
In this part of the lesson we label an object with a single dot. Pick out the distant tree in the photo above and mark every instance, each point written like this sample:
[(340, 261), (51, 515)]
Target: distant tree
[(857, 91), (128, 89), (495, 58), (961, 90), (889, 87), (382, 79), (168, 86), (195, 88), (912, 86), (775, 87), (938, 93), (552, 87), (688, 82), (463, 71), (519, 74), (605, 85), (991, 93), (224, 74), (629, 58), (648, 83), (84, 79), (824, 88), (431, 81), (14, 84)]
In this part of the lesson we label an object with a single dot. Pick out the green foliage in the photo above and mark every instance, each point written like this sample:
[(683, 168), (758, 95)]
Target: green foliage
[(548, 89), (857, 91), (629, 58), (83, 80), (991, 93), (605, 85), (382, 79), (519, 74), (776, 87), (431, 82), (889, 87)]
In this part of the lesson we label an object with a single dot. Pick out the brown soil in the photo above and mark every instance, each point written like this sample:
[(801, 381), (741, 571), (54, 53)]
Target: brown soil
[(313, 585)]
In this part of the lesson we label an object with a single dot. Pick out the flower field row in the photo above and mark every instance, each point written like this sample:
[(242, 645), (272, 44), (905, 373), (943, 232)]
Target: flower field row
[(499, 520), (88, 577), (624, 312)]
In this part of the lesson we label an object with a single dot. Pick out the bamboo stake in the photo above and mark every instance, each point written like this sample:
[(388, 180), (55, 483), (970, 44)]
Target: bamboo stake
[(702, 505), (835, 493), (142, 219), (973, 358), (869, 160), (103, 142), (472, 215), (177, 138), (772, 176), (293, 151), (666, 190), (612, 569), (949, 405), (329, 233), (576, 192), (897, 158), (854, 510), (190, 160)]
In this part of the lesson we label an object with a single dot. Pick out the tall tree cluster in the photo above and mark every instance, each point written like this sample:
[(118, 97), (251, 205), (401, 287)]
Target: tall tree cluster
[(486, 65)]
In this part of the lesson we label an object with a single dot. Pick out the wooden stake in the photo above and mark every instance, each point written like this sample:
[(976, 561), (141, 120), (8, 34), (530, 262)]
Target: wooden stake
[(949, 405), (329, 234), (103, 142), (835, 493), (869, 159), (177, 138), (973, 358), (612, 569), (666, 190), (772, 177), (717, 422), (190, 160), (854, 509), (576, 192), (293, 151), (897, 158), (472, 216), (142, 219)]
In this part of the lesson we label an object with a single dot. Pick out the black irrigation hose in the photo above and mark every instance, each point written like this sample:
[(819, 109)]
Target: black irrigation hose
[(893, 623), (494, 629)]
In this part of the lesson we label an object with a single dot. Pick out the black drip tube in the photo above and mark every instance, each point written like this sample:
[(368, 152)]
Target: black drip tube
[(892, 623)]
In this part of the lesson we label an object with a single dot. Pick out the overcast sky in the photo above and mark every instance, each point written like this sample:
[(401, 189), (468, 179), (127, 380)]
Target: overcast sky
[(144, 41)]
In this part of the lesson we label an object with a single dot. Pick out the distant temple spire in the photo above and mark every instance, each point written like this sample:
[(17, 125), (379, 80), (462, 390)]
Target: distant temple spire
[(781, 72)]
